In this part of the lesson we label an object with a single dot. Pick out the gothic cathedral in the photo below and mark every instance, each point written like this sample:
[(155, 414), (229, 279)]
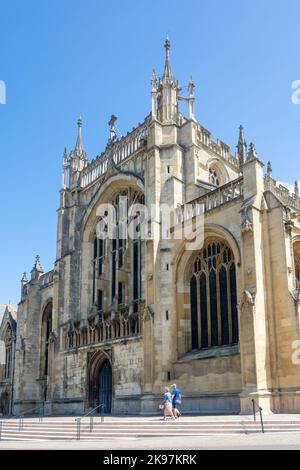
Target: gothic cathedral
[(118, 318)]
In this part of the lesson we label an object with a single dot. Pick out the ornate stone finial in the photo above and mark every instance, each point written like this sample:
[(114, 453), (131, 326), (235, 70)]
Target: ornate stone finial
[(167, 43), (37, 269), (154, 80), (64, 170), (191, 87), (37, 265), (252, 152), (269, 169), (242, 147), (112, 128), (65, 156), (296, 189), (24, 279), (79, 146), (168, 76)]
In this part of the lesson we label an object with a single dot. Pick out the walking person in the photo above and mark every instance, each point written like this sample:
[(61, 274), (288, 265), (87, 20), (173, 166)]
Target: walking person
[(176, 401), (167, 405)]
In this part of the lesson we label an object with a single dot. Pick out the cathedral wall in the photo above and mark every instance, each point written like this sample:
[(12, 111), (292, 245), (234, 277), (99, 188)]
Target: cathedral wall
[(286, 320), (128, 376), (210, 385)]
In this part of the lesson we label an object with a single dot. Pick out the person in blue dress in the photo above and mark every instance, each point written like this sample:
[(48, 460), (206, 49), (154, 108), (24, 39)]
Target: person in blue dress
[(176, 400)]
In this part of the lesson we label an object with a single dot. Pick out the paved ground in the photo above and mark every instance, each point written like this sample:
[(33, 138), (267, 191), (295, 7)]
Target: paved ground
[(261, 442)]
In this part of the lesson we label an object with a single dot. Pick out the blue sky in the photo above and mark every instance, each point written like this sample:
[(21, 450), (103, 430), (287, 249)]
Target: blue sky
[(60, 59)]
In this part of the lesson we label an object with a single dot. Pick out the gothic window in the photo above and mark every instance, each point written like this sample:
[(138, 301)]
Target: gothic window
[(214, 177), (214, 317), (46, 331), (100, 300), (121, 293), (136, 261), (8, 353), (297, 261), (101, 251), (113, 267), (117, 259), (94, 267), (121, 247), (98, 262)]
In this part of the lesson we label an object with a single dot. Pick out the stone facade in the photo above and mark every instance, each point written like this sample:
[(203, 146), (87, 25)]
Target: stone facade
[(116, 321), (8, 324)]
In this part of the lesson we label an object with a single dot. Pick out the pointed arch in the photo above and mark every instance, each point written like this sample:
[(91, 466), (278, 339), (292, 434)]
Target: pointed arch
[(213, 290)]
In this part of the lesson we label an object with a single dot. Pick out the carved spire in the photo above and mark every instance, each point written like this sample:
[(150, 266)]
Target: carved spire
[(37, 269), (37, 265), (79, 146), (168, 76), (64, 170), (78, 158), (154, 80), (167, 92), (252, 152), (269, 169), (154, 94), (296, 190), (191, 87), (23, 284), (242, 147)]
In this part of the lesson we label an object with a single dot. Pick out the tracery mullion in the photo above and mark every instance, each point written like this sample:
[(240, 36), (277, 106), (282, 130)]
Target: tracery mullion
[(204, 316), (218, 287), (229, 302), (194, 312), (199, 310), (209, 335), (213, 307), (235, 325)]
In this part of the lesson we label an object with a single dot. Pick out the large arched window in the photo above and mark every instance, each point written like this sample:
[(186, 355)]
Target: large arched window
[(8, 353), (297, 262), (46, 332), (117, 256), (214, 297)]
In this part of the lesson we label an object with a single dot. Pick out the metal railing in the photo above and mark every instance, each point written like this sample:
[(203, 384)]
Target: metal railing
[(20, 417), (258, 408), (91, 415), (41, 412)]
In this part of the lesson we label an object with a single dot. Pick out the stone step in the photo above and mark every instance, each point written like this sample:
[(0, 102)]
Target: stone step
[(66, 429), (37, 434), (95, 437)]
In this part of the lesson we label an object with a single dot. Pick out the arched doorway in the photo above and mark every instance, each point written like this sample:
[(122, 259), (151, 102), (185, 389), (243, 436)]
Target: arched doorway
[(4, 404), (105, 386), (100, 382)]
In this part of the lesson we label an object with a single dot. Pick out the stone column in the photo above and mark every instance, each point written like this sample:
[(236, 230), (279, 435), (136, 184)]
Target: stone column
[(255, 354)]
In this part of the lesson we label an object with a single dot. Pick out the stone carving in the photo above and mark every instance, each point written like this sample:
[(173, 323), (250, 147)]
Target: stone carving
[(247, 224), (247, 300)]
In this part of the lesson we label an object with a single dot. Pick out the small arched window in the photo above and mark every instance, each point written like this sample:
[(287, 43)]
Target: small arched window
[(8, 353), (214, 177), (46, 333), (213, 293)]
